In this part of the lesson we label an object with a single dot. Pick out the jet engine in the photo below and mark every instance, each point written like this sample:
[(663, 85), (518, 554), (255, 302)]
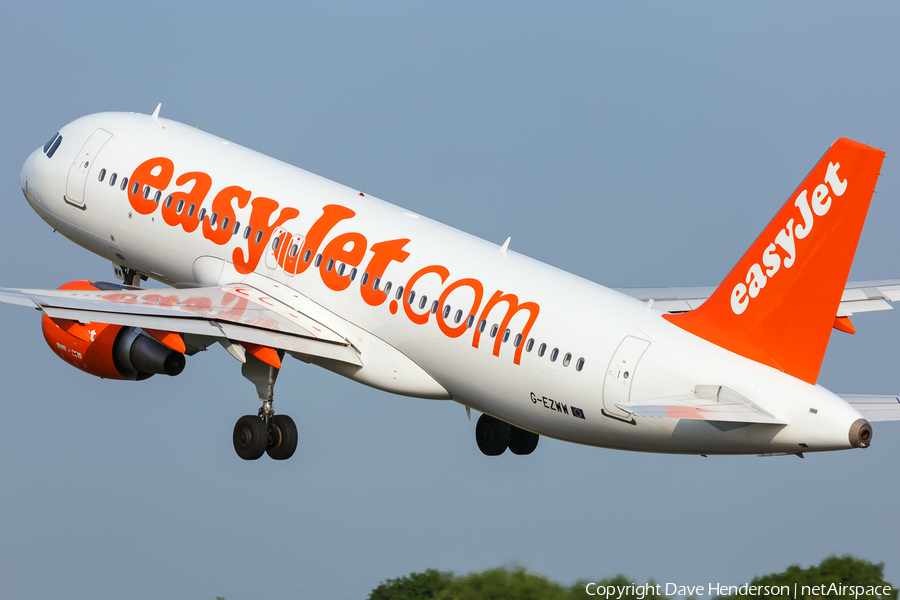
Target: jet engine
[(113, 351)]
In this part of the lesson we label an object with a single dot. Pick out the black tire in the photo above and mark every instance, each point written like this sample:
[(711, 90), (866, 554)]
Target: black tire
[(492, 435), (282, 437), (522, 442), (250, 437)]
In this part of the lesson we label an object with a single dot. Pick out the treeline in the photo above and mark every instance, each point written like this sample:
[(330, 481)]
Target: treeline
[(834, 578)]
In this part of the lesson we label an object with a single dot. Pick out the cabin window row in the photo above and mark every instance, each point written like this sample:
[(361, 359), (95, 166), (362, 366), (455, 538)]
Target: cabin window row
[(341, 269)]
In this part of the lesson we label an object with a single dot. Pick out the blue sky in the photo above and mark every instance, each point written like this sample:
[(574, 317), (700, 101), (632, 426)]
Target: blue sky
[(634, 144)]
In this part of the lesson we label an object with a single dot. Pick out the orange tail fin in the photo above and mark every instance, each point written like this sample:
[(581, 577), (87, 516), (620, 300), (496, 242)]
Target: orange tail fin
[(777, 306)]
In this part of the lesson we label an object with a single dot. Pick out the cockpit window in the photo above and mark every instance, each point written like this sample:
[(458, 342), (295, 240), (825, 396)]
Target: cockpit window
[(53, 148), (50, 142)]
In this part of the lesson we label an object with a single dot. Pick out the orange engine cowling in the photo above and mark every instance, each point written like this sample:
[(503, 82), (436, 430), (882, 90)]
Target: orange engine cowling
[(112, 351)]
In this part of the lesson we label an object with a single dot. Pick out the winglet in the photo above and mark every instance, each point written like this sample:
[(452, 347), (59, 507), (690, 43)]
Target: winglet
[(155, 114), (777, 306)]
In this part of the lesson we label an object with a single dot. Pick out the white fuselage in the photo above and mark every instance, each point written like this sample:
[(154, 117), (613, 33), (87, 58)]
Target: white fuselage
[(603, 333)]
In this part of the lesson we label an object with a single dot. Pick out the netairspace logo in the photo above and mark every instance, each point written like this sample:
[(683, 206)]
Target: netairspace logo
[(616, 592)]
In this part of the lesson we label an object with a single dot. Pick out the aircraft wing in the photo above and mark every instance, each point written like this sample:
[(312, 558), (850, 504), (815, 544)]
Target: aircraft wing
[(875, 408), (237, 313), (707, 403), (859, 296)]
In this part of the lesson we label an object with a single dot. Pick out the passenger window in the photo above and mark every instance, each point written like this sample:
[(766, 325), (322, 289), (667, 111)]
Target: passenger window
[(102, 174), (365, 279), (470, 321), (411, 297), (157, 197), (341, 270), (135, 187), (399, 292), (554, 354), (236, 228), (180, 206), (458, 317), (376, 283), (112, 179), (494, 329), (541, 349), (293, 251), (258, 237), (275, 242), (579, 365), (352, 273), (247, 232), (434, 307), (482, 325), (387, 288), (201, 214), (318, 260), (124, 184), (518, 340), (446, 311), (146, 192), (168, 201), (191, 209), (567, 359), (224, 226), (212, 219), (505, 336), (307, 255), (529, 345), (329, 265), (423, 301)]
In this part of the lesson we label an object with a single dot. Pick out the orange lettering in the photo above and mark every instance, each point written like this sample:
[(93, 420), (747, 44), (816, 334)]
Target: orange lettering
[(336, 250), (438, 270), (144, 175), (331, 216), (259, 221), (385, 253), (182, 201), (514, 307), (454, 332), (223, 209)]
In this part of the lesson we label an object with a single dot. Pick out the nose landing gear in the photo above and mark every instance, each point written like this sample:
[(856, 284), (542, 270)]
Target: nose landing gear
[(265, 432)]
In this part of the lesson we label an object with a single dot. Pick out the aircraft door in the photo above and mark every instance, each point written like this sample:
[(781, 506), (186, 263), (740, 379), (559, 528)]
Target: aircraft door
[(620, 375), (78, 172)]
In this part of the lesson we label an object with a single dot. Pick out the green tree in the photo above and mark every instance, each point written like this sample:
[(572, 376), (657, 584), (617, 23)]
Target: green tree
[(631, 589), (844, 570), (503, 584), (418, 586)]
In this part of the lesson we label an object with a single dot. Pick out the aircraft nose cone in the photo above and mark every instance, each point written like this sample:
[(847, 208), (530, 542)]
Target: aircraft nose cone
[(29, 176)]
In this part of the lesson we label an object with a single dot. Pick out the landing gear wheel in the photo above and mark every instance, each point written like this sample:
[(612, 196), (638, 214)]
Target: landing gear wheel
[(492, 435), (522, 442), (250, 437), (282, 437)]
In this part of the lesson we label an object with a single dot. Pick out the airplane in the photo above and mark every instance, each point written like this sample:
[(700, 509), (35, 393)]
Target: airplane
[(270, 261)]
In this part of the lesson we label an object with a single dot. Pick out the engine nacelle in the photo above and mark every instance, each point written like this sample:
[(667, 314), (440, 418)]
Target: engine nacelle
[(109, 351)]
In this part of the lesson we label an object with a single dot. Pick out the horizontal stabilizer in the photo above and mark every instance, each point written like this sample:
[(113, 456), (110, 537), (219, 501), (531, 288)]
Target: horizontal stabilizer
[(705, 404), (875, 408)]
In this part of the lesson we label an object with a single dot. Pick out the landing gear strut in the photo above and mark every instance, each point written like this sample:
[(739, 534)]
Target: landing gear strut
[(265, 432)]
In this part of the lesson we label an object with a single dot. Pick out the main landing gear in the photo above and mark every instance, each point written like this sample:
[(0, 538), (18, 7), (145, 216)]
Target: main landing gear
[(495, 436), (265, 432)]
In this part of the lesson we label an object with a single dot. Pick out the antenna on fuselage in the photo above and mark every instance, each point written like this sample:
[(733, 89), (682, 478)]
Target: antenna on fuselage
[(155, 114)]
